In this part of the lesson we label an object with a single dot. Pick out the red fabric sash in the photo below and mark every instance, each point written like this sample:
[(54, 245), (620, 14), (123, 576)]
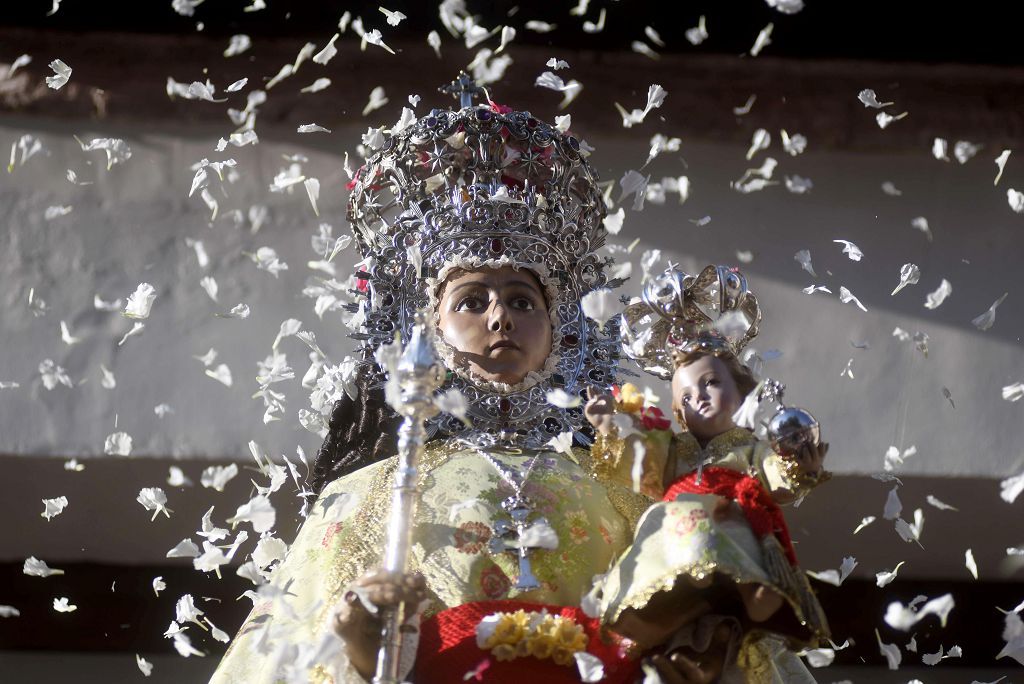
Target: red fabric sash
[(763, 514), (448, 653)]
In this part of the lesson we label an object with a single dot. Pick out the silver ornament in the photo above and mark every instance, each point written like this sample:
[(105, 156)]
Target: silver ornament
[(791, 428)]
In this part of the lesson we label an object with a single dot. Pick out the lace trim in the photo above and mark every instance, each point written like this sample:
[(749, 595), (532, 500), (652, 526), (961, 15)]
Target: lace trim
[(459, 365)]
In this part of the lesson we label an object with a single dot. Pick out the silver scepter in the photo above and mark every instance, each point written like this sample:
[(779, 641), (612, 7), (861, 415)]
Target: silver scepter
[(412, 379)]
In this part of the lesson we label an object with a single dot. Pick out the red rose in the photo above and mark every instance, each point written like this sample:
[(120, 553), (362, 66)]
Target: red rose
[(654, 419), (494, 582)]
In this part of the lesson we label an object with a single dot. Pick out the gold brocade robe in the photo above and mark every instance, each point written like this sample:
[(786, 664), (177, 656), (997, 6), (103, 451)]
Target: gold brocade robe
[(289, 638)]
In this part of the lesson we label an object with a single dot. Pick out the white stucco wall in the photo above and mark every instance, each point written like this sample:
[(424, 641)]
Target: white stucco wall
[(131, 225)]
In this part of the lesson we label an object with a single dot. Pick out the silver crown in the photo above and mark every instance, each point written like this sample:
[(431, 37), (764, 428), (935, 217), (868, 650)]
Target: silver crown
[(486, 185), (713, 311)]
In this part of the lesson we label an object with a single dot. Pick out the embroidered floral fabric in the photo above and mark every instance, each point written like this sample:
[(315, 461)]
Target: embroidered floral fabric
[(461, 493), (683, 538)]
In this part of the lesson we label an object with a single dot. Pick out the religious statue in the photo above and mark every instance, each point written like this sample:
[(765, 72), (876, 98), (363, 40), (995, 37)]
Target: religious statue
[(483, 225)]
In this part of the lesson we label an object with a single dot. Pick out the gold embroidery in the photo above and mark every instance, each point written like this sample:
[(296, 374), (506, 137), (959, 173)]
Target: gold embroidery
[(686, 451), (319, 675), (628, 503), (606, 453), (754, 658), (797, 480), (363, 547)]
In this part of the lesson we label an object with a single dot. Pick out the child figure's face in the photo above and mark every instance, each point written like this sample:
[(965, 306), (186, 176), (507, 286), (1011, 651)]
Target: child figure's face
[(706, 394)]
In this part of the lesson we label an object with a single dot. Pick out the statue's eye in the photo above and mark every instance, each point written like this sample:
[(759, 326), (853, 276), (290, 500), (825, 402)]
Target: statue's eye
[(522, 304), (469, 304)]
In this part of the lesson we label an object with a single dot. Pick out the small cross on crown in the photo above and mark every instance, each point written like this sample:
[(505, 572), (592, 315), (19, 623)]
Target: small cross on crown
[(464, 88)]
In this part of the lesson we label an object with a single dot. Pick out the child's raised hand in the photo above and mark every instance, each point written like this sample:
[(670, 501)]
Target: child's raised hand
[(599, 409)]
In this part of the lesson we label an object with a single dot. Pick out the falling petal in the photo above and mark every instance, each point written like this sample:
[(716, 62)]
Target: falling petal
[(869, 99), (62, 72), (910, 274), (884, 119), (1014, 392), (885, 577), (154, 499), (761, 140), (317, 85), (394, 18), (890, 189), (697, 35), (1001, 164), (935, 299), (237, 45), (54, 507), (903, 617), (845, 296), (118, 444), (1016, 200), (964, 150), (851, 249), (836, 577), (763, 40), (864, 523), (939, 504), (921, 223), (803, 257), (1011, 487), (313, 190), (972, 566), (601, 305)]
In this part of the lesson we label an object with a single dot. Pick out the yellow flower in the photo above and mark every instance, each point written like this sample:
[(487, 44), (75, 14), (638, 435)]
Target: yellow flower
[(570, 635), (547, 625), (563, 656), (631, 399), (504, 652), (510, 629), (541, 645), (540, 635)]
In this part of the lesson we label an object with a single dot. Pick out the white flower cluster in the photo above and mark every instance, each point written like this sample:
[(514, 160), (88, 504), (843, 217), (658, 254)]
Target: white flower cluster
[(335, 382)]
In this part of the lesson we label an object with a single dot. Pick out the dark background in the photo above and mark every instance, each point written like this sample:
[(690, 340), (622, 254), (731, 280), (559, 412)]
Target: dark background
[(979, 32)]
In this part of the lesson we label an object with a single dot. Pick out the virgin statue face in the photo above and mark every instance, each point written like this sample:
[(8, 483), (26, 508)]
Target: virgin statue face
[(497, 321)]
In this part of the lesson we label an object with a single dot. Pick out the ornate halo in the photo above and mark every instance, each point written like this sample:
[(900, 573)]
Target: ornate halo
[(485, 186)]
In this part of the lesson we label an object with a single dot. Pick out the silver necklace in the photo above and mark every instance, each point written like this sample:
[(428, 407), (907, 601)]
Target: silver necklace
[(523, 530)]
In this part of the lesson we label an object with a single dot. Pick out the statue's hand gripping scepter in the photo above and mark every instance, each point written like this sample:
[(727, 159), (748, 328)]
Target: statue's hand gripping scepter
[(414, 373)]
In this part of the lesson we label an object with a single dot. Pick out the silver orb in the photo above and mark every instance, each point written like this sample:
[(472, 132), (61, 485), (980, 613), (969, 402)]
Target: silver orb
[(791, 428)]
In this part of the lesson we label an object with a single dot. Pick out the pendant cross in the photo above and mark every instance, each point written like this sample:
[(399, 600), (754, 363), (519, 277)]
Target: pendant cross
[(509, 536)]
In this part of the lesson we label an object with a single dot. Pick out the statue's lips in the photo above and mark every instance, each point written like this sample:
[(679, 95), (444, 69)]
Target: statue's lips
[(503, 345)]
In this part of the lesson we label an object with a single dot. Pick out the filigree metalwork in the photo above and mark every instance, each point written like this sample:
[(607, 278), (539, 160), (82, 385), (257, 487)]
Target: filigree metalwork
[(476, 185), (712, 311)]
